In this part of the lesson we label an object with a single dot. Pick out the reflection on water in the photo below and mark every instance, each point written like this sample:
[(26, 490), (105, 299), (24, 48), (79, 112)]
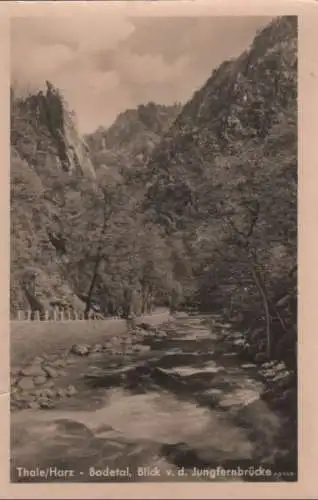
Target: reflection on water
[(186, 406)]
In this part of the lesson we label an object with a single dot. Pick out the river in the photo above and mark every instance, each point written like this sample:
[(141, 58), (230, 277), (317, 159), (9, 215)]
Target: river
[(186, 409)]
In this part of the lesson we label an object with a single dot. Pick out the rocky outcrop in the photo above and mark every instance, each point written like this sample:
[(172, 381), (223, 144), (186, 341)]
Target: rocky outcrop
[(43, 131), (240, 102), (129, 142), (47, 155), (224, 175)]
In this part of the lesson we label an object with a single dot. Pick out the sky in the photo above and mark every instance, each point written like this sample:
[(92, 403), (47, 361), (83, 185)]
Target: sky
[(105, 65)]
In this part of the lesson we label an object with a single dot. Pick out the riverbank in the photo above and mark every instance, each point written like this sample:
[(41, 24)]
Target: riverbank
[(29, 339), (171, 397), (48, 380), (279, 379), (280, 384)]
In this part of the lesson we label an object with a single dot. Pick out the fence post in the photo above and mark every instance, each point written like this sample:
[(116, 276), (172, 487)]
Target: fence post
[(46, 316), (62, 316), (37, 316), (29, 313), (75, 315), (54, 314), (19, 315)]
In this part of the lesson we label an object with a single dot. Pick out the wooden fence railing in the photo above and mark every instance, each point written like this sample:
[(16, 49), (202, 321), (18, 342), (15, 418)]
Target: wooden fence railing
[(55, 315)]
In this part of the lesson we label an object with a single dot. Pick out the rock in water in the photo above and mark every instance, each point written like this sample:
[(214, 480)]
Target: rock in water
[(51, 372), (45, 403), (80, 349), (181, 315), (39, 380), (26, 383), (71, 391), (33, 371)]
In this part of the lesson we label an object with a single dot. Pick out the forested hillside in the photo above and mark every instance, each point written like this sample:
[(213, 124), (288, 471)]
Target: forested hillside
[(183, 206), (129, 142), (225, 178), (46, 155), (75, 219)]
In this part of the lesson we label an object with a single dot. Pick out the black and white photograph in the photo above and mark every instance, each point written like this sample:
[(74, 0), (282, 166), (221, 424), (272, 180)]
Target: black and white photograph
[(153, 246)]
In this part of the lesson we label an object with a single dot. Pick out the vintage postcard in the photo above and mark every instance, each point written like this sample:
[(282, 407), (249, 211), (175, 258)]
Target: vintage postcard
[(154, 176)]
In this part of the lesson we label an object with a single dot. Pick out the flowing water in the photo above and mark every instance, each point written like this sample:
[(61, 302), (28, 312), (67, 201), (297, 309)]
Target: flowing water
[(182, 410)]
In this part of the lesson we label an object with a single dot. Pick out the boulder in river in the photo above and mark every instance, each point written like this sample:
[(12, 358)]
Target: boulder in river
[(260, 357), (181, 315), (45, 393), (61, 392), (33, 405), (26, 396), (59, 363), (213, 392), (41, 379), (284, 379), (141, 348), (38, 359), (240, 342), (239, 398), (34, 370), (51, 372), (144, 326), (80, 349), (48, 384), (210, 397), (236, 335), (15, 372), (96, 349), (189, 371), (71, 391), (45, 403), (26, 383)]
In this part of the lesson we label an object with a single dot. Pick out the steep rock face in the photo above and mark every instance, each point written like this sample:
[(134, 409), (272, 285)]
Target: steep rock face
[(225, 176), (43, 131), (47, 155), (129, 142), (237, 108), (234, 142)]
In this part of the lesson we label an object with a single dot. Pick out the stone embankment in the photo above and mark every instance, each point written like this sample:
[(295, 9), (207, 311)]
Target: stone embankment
[(44, 380), (279, 380)]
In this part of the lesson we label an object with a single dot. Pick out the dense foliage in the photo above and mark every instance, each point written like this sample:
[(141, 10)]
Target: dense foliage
[(192, 206)]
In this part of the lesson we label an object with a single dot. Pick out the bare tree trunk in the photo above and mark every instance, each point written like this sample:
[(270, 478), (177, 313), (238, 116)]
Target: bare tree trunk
[(143, 298), (99, 258), (92, 286), (262, 293), (127, 303), (149, 300)]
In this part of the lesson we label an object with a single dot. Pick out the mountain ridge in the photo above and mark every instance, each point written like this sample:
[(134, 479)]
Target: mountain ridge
[(173, 195)]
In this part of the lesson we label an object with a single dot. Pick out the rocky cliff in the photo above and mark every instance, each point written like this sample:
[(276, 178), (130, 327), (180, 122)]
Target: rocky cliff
[(52, 172), (130, 141), (44, 133), (207, 198), (243, 102), (47, 154), (224, 178)]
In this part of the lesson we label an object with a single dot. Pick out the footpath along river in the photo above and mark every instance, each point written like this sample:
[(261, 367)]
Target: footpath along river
[(185, 407)]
